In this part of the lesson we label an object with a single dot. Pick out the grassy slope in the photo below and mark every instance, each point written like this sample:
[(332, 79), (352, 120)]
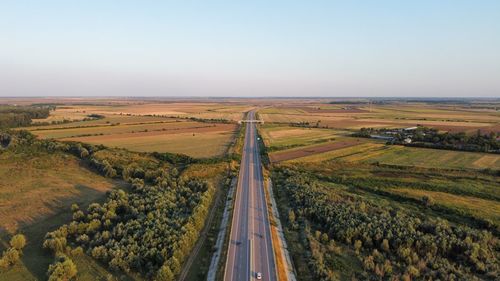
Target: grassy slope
[(38, 199)]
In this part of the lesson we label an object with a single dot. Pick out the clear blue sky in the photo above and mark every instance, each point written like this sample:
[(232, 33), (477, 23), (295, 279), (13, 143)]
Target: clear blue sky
[(436, 48)]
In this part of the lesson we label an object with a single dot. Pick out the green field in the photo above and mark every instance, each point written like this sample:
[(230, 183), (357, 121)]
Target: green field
[(282, 137), (432, 158), (408, 156)]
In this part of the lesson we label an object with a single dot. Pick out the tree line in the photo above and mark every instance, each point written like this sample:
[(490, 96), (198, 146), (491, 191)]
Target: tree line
[(432, 138), (18, 116)]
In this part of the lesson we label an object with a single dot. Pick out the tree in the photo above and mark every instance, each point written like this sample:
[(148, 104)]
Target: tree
[(385, 245), (63, 270), (357, 246), (18, 242), (164, 274), (291, 217)]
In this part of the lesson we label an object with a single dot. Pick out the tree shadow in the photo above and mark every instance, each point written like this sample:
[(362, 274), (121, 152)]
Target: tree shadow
[(36, 259)]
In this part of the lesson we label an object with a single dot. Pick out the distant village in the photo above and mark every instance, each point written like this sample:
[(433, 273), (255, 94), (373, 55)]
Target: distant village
[(431, 138)]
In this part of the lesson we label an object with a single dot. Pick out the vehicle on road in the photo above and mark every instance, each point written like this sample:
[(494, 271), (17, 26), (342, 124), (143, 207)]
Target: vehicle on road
[(259, 276)]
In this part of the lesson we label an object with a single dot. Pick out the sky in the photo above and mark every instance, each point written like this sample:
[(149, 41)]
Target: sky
[(355, 48)]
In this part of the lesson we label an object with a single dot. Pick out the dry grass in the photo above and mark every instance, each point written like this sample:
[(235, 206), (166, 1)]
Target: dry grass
[(48, 183), (481, 208)]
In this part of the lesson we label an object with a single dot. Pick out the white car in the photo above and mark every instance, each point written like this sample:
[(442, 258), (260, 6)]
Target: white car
[(259, 276)]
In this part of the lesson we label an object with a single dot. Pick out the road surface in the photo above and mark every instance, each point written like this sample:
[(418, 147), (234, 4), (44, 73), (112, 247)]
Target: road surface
[(250, 249)]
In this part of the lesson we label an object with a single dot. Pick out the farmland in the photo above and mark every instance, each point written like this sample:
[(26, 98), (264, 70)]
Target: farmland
[(135, 128), (209, 141), (199, 110), (322, 173), (355, 116), (331, 184)]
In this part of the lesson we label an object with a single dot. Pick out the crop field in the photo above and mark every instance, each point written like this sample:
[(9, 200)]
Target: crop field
[(166, 126), (445, 118), (373, 152), (201, 142), (227, 111), (312, 150), (282, 137), (108, 120), (432, 158), (340, 152)]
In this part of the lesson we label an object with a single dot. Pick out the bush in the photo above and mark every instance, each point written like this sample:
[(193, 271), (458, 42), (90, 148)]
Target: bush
[(62, 270), (18, 241)]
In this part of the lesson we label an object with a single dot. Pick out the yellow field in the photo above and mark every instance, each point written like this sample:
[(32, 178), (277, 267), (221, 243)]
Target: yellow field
[(202, 110), (213, 141), (477, 207)]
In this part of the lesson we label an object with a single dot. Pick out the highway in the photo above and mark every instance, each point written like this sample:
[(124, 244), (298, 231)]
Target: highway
[(250, 249)]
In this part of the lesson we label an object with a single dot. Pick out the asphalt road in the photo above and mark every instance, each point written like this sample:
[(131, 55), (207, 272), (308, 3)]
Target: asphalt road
[(250, 249)]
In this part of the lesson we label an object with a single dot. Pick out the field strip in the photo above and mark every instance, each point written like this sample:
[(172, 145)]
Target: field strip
[(311, 150)]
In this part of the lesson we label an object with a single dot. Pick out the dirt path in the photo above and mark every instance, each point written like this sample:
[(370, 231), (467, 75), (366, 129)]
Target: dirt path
[(201, 240)]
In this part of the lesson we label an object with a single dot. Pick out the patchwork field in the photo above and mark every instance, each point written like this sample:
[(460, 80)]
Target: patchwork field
[(203, 110), (405, 156), (201, 142), (355, 116), (146, 134), (310, 150)]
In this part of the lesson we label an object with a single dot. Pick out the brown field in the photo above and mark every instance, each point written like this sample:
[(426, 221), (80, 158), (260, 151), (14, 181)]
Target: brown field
[(314, 149), (170, 126), (198, 142)]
